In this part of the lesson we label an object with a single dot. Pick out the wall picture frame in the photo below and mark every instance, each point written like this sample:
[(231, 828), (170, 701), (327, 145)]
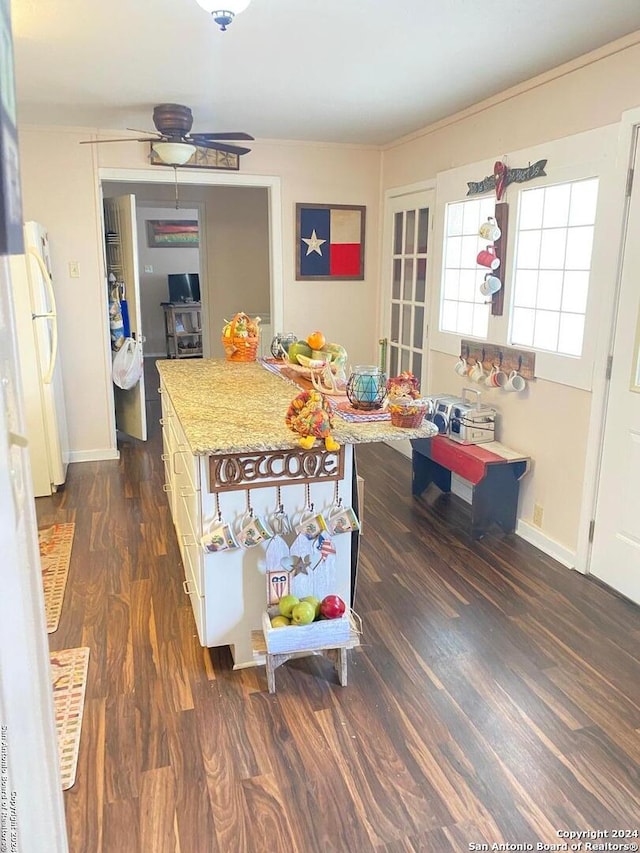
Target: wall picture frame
[(173, 234), (330, 242)]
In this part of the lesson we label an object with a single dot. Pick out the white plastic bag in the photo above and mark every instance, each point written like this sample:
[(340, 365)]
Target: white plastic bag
[(127, 364)]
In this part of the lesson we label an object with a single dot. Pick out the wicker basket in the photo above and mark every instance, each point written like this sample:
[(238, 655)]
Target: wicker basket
[(240, 347), (407, 413)]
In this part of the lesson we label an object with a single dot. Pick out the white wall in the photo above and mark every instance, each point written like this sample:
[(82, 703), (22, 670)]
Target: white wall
[(154, 288), (61, 189), (234, 253), (551, 421)]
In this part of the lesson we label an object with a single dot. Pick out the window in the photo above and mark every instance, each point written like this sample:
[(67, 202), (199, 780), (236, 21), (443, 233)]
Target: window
[(552, 266), (464, 310)]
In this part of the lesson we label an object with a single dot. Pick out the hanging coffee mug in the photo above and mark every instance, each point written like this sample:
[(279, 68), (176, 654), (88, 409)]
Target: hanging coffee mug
[(515, 382), (489, 230), (342, 520), (487, 258), (253, 530), (219, 538), (490, 285), (497, 378), (461, 367), (312, 524), (476, 373)]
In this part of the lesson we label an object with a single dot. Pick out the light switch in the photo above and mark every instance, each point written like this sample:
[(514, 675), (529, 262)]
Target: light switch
[(148, 268), (74, 269)]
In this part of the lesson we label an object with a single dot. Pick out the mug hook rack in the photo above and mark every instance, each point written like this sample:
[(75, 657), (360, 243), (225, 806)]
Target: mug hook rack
[(507, 358)]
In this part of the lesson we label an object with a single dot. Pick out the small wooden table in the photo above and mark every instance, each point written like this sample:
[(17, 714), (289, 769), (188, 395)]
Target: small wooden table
[(183, 329), (493, 470), (336, 653)]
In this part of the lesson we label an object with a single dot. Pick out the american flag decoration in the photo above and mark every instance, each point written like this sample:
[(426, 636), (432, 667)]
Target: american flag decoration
[(326, 548), (278, 585)]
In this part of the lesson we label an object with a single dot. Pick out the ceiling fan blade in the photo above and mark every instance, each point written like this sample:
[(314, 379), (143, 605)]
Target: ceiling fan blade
[(230, 135), (137, 130), (123, 139), (220, 146)]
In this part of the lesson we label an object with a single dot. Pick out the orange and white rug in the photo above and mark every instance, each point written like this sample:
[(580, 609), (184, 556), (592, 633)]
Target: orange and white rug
[(69, 677), (55, 553)]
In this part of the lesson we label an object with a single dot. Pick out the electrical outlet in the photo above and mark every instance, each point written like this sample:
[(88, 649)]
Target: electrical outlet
[(74, 269), (537, 515), (148, 268)]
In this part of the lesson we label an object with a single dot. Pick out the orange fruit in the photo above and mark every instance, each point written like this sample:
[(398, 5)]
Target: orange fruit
[(316, 340)]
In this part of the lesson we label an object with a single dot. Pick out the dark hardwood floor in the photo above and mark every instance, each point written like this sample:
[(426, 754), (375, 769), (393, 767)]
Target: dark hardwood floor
[(495, 696)]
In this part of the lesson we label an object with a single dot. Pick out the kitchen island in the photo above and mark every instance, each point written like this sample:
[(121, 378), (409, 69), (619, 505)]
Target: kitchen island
[(229, 455)]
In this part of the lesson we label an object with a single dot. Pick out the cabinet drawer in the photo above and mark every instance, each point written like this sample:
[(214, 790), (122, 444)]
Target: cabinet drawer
[(197, 602), (184, 463), (193, 559), (187, 521)]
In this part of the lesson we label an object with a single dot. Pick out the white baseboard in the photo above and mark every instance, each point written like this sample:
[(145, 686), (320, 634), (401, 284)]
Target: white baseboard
[(528, 532), (162, 354), (549, 546), (93, 455)]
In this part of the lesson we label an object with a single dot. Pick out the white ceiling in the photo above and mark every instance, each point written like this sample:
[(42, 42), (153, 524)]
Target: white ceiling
[(360, 71)]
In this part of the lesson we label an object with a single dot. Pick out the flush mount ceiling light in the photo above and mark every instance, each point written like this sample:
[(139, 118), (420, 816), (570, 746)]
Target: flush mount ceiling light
[(173, 153), (223, 17)]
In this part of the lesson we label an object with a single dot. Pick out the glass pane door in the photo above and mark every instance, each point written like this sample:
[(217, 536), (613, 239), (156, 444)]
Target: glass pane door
[(407, 320)]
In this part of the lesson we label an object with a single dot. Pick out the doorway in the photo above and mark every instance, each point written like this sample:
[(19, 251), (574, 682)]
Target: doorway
[(405, 296), (236, 213)]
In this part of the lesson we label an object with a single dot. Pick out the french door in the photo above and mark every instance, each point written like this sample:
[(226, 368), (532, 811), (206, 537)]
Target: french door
[(408, 231), (406, 300)]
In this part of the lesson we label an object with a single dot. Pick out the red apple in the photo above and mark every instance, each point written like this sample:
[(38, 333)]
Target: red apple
[(332, 607)]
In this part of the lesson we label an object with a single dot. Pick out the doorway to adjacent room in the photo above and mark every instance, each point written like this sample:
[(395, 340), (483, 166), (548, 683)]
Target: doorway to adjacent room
[(239, 254)]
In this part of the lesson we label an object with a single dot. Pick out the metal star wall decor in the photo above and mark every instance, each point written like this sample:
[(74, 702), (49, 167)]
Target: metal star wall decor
[(301, 565)]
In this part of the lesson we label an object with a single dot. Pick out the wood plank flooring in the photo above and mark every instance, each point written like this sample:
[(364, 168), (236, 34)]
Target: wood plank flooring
[(495, 697)]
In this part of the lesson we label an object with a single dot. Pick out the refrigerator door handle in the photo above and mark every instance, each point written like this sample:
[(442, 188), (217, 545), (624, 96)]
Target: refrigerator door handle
[(52, 315)]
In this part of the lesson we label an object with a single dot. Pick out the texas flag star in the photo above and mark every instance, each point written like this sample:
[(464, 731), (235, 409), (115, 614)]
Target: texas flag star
[(313, 243)]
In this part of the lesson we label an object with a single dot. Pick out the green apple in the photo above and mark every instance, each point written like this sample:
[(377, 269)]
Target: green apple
[(315, 602), (286, 605), (303, 613), (280, 622), (298, 348)]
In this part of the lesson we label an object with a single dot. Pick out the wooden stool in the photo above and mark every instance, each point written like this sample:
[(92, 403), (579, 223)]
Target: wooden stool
[(337, 654)]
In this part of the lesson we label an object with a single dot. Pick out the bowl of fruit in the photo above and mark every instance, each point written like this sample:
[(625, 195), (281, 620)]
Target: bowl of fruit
[(306, 624)]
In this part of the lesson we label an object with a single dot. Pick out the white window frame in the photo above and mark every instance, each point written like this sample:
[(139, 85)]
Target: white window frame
[(584, 155), (478, 274)]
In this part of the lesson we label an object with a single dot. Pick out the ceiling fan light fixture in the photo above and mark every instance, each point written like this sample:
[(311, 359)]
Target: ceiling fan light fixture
[(174, 153), (223, 17)]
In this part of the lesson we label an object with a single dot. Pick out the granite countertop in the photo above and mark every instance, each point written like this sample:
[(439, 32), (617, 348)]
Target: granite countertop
[(234, 407)]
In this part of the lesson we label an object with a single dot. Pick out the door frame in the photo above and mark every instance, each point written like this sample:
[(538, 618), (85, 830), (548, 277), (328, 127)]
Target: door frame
[(386, 266), (386, 272), (617, 205), (197, 177)]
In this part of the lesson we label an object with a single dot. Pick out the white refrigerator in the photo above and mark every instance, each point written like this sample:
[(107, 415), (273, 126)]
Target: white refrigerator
[(37, 336)]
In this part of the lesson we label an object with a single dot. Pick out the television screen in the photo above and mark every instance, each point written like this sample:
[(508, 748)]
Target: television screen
[(184, 287)]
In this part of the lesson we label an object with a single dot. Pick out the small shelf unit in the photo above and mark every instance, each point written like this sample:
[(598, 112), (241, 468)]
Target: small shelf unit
[(183, 329)]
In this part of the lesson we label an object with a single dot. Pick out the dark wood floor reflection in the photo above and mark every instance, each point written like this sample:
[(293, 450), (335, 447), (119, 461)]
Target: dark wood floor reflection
[(495, 697)]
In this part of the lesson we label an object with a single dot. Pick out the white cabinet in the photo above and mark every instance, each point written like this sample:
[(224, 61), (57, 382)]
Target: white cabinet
[(227, 589)]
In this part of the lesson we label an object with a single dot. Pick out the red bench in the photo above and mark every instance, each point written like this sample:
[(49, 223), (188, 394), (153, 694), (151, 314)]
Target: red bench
[(493, 470)]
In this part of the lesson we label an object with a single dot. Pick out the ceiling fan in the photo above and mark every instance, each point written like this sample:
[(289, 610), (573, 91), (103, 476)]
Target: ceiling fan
[(173, 141)]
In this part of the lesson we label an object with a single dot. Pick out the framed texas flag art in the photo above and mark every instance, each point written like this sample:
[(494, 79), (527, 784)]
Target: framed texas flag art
[(330, 242)]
